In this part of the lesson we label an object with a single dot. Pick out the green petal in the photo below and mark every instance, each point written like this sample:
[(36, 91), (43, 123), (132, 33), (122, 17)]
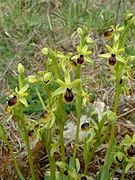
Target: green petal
[(74, 83), (120, 50), (87, 52), (108, 48), (32, 79), (24, 89), (119, 58), (23, 101), (78, 49), (59, 91), (75, 57), (60, 82), (67, 76), (107, 55), (88, 59), (84, 49)]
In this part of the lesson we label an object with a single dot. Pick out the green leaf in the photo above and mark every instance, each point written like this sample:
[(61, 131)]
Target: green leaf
[(133, 137), (54, 148), (62, 165), (2, 135), (129, 165), (104, 171), (77, 165)]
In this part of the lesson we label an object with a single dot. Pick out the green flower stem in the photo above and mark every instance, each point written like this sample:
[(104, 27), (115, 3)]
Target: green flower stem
[(45, 138), (32, 169), (78, 109), (52, 166), (62, 142), (116, 98), (41, 100), (48, 93), (13, 156), (89, 154), (20, 118)]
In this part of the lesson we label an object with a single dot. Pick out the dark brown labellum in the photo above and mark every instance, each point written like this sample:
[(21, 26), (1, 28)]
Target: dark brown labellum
[(108, 33), (72, 63), (85, 126), (119, 161), (46, 81), (131, 151), (44, 114), (31, 132), (68, 95), (112, 60), (12, 101), (120, 82), (91, 99), (83, 178), (80, 60)]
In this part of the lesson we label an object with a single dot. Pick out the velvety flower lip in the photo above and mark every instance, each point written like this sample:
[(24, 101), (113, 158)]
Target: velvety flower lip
[(80, 60), (109, 34), (112, 60), (68, 95), (12, 101), (85, 126)]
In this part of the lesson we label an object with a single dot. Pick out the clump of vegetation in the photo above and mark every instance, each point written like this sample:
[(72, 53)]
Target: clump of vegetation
[(63, 86)]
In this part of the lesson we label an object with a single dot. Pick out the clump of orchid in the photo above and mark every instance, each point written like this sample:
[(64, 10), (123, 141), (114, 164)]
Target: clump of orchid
[(118, 62)]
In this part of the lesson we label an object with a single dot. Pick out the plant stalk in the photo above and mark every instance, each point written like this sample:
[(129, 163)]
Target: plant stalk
[(32, 169), (62, 141), (13, 156)]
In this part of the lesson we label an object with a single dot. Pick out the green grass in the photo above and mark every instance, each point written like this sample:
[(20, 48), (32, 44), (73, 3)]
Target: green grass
[(27, 26)]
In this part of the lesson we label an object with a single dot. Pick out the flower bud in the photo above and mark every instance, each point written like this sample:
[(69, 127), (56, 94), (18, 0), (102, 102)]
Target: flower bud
[(47, 77), (20, 68)]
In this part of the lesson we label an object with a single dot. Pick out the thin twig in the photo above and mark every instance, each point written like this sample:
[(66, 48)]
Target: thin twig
[(126, 113)]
